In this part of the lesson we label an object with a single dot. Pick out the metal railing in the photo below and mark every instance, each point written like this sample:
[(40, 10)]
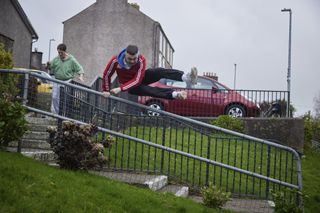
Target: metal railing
[(185, 150)]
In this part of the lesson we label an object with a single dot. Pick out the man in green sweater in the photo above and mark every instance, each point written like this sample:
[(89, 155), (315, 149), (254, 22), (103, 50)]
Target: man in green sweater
[(64, 67)]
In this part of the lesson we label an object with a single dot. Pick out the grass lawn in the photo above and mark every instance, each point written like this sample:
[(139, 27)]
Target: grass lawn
[(27, 185), (311, 181)]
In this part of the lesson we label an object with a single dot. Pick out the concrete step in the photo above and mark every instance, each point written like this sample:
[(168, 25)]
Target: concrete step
[(32, 144), (153, 182), (243, 205), (35, 135), (39, 127), (44, 155), (41, 121), (179, 191)]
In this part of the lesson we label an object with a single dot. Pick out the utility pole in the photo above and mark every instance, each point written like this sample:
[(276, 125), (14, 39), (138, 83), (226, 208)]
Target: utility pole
[(289, 61), (50, 48), (235, 76)]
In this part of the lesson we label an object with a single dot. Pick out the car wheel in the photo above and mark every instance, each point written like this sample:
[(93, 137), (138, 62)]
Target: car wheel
[(236, 111), (155, 105)]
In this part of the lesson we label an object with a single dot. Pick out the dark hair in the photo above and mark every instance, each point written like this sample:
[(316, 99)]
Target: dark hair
[(62, 47), (132, 49)]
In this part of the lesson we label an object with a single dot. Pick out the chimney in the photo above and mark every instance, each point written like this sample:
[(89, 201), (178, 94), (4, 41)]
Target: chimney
[(211, 75), (135, 5)]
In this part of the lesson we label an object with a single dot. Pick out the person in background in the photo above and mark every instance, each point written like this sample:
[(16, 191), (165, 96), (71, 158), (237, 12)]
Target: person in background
[(130, 66), (64, 67)]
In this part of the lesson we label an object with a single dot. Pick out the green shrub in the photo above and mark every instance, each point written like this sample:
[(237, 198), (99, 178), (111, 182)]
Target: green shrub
[(283, 204), (12, 122), (8, 82), (311, 129), (228, 122), (75, 148), (6, 61), (213, 197)]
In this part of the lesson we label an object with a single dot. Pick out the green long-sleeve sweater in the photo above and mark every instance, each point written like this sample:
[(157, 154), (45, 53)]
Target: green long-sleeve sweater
[(67, 69)]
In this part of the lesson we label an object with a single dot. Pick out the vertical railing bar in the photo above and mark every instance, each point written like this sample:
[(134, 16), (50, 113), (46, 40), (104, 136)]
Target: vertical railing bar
[(170, 144), (222, 153), (200, 169), (241, 166), (228, 162), (163, 144), (261, 165), (194, 161), (149, 148), (116, 152), (280, 167), (268, 171), (208, 157), (215, 158), (254, 167), (136, 146), (122, 148), (182, 147), (175, 155), (286, 170), (248, 166), (188, 151), (275, 166), (234, 163), (142, 146), (129, 143)]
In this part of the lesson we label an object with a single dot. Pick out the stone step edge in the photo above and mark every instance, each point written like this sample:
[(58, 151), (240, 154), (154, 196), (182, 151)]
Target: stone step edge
[(153, 182), (177, 190)]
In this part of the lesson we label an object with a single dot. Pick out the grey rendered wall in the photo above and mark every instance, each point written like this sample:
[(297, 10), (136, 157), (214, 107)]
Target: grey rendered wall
[(102, 30), (13, 27)]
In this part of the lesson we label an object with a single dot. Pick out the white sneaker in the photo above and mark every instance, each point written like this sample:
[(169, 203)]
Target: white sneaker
[(193, 75), (181, 95)]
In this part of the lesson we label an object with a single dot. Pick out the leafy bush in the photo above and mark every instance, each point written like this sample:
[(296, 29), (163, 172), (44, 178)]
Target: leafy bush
[(213, 197), (12, 122), (8, 82), (311, 129), (285, 205), (6, 61), (228, 122), (74, 147)]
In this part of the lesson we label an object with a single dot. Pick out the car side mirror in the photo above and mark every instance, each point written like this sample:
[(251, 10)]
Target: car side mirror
[(214, 89)]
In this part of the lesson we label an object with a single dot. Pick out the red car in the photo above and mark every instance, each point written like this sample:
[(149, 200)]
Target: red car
[(208, 98)]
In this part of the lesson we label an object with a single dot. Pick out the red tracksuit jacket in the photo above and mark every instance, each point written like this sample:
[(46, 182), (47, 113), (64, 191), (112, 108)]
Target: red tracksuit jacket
[(128, 78)]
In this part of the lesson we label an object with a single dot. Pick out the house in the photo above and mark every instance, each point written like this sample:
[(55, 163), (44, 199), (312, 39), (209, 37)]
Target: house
[(16, 32), (103, 29)]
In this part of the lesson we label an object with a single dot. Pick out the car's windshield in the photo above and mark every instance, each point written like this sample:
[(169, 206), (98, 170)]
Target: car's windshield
[(202, 83)]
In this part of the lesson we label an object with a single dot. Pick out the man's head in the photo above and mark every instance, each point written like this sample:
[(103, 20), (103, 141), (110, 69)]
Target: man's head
[(131, 55), (62, 48)]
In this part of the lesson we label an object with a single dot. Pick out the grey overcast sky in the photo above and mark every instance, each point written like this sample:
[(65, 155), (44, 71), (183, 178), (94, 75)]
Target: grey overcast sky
[(216, 34)]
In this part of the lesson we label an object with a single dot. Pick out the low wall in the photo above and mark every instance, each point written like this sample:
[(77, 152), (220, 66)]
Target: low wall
[(285, 131)]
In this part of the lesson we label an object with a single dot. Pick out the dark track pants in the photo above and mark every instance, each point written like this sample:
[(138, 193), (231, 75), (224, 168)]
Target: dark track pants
[(154, 75)]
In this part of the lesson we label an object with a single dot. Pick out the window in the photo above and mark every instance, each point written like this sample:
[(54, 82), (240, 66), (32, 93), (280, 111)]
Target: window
[(165, 52), (173, 83), (203, 84)]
